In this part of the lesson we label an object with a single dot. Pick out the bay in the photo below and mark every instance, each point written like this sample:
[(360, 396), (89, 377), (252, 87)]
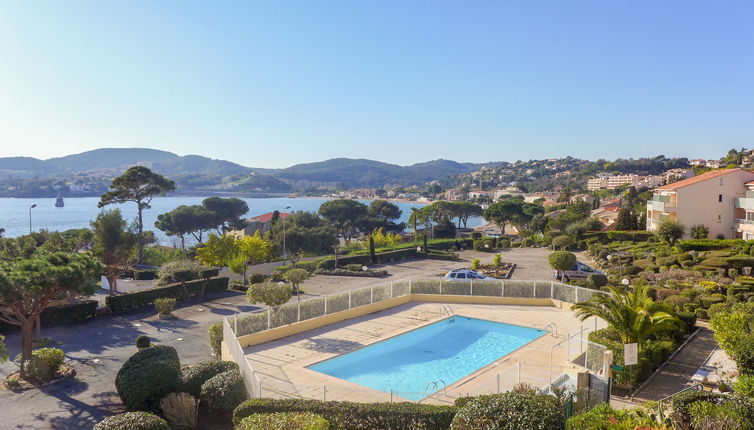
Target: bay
[(78, 212)]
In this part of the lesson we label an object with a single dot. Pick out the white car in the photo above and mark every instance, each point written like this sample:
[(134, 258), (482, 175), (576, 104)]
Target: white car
[(579, 271), (466, 275)]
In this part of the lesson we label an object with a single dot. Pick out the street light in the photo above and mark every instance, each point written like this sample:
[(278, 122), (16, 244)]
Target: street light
[(30, 208), (625, 281)]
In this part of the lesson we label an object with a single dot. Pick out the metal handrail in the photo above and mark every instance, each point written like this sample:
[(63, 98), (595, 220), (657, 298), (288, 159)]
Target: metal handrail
[(695, 387), (553, 326)]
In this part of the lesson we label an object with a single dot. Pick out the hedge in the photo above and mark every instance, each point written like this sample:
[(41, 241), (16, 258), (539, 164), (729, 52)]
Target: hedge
[(510, 411), (194, 376), (357, 416), (140, 299), (61, 315), (132, 421), (284, 421), (147, 376), (709, 244), (618, 235), (681, 402), (224, 391)]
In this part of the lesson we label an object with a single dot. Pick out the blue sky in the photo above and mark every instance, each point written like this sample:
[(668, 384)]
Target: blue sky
[(272, 84)]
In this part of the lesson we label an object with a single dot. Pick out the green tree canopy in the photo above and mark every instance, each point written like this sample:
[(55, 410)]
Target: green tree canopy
[(633, 314), (465, 210), (345, 215), (28, 286), (139, 185), (561, 260), (113, 245), (305, 232), (183, 220), (226, 213), (670, 231)]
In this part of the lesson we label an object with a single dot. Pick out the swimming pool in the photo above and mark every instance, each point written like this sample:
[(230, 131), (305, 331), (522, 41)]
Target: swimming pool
[(448, 350)]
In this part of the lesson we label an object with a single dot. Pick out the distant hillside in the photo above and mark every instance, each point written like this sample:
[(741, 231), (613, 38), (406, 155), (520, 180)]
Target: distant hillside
[(360, 173)]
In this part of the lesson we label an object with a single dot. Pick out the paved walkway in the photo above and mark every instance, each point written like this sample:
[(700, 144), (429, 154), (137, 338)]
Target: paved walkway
[(676, 374)]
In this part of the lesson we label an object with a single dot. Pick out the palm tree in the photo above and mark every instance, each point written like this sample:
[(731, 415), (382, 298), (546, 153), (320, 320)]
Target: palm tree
[(633, 314)]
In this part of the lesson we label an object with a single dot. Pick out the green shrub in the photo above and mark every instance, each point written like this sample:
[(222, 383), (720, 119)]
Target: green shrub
[(164, 306), (510, 411), (357, 416), (353, 267), (745, 386), (284, 421), (224, 391), (743, 353), (144, 274), (180, 270), (44, 364), (133, 421), (733, 413), (739, 261), (597, 280), (69, 313), (142, 341), (688, 318), (708, 244), (681, 402), (604, 417), (194, 376), (562, 242), (711, 299), (142, 298), (147, 377), (256, 278), (216, 338), (475, 263), (497, 259)]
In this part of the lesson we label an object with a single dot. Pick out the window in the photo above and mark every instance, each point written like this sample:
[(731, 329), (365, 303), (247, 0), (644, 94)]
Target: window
[(460, 276), (750, 216), (719, 197), (719, 218)]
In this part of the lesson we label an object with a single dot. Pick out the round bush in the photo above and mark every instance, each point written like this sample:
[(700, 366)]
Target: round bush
[(224, 391), (256, 278), (133, 421), (597, 280), (196, 375), (44, 364), (142, 341), (510, 411), (561, 260), (216, 338), (284, 421), (743, 353), (147, 377)]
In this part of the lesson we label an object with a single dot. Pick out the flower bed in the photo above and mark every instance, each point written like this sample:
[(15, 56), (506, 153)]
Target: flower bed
[(502, 271)]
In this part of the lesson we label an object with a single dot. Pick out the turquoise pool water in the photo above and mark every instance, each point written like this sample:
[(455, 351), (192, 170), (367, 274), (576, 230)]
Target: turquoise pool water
[(449, 350)]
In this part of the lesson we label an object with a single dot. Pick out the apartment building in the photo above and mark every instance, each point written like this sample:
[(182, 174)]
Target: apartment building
[(722, 200), (609, 182)]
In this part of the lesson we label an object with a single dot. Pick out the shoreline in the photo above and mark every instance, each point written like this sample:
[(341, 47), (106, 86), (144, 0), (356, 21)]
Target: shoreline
[(236, 196)]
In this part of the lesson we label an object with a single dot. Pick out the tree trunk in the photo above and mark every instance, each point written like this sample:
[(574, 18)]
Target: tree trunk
[(183, 243), (113, 281), (38, 326), (26, 338), (140, 238), (245, 277)]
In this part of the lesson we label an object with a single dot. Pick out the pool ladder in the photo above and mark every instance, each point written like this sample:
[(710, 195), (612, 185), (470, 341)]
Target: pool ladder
[(447, 310), (436, 385), (552, 328)]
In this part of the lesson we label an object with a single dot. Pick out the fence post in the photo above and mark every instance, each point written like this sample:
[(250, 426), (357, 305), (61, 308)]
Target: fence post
[(502, 290), (577, 293), (471, 293), (269, 318), (325, 304), (534, 289), (298, 312), (498, 383), (552, 290), (519, 372), (441, 287), (391, 395), (349, 299), (409, 285), (391, 289), (235, 324), (324, 393), (371, 294)]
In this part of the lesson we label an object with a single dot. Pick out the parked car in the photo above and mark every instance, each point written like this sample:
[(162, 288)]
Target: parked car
[(578, 271), (466, 275)]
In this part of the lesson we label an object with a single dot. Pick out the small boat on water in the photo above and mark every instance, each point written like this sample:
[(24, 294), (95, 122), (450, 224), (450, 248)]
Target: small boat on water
[(59, 203)]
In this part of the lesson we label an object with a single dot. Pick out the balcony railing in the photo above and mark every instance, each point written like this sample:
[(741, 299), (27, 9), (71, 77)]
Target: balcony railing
[(661, 206), (661, 198), (750, 194), (745, 221), (744, 203)]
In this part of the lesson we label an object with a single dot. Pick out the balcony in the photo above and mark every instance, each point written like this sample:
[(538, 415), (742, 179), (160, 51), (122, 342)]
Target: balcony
[(661, 206), (744, 226), (744, 203)]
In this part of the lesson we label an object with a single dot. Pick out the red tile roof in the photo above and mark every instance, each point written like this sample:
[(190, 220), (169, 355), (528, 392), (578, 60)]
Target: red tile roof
[(696, 179), (268, 217)]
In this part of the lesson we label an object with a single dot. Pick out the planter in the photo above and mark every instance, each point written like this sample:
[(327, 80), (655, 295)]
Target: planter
[(65, 372), (166, 316)]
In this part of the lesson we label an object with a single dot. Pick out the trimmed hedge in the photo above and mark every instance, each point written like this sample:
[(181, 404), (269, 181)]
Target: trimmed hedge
[(224, 391), (147, 377), (194, 376), (681, 402), (60, 315), (216, 338), (132, 421), (619, 236), (510, 411), (143, 298), (709, 244), (284, 421), (357, 416)]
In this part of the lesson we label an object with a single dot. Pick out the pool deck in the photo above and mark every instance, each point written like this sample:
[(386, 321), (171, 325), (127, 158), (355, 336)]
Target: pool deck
[(281, 364)]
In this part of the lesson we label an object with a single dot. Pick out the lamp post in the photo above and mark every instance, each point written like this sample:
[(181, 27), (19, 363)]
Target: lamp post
[(30, 208), (285, 253)]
